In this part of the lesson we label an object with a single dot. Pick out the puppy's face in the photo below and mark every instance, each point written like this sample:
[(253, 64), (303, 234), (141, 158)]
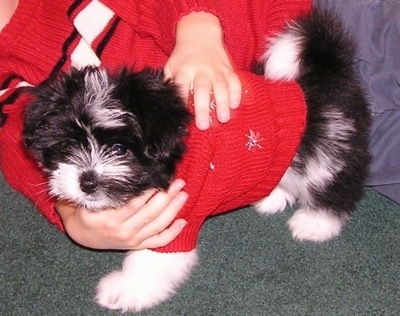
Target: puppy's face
[(103, 139)]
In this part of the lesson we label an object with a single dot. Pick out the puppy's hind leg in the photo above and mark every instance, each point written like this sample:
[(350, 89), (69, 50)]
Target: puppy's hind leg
[(327, 197), (278, 199), (315, 225), (147, 278)]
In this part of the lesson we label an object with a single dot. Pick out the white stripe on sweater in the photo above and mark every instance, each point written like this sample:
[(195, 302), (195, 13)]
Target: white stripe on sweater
[(90, 22), (19, 85)]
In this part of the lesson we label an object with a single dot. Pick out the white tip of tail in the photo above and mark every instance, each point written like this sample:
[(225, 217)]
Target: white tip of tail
[(282, 58)]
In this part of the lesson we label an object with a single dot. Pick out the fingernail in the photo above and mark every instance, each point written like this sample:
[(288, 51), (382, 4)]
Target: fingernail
[(202, 124), (224, 117), (183, 196), (235, 104), (182, 223), (177, 185)]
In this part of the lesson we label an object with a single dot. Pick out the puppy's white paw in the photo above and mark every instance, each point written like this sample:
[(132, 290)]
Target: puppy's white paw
[(314, 225), (275, 202), (146, 279), (114, 292)]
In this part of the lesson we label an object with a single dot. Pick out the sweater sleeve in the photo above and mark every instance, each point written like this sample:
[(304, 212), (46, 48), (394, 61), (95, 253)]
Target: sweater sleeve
[(246, 23), (281, 11), (157, 19), (31, 46), (19, 170)]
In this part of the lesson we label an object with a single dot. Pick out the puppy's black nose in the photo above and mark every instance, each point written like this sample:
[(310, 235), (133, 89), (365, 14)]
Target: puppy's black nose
[(88, 182)]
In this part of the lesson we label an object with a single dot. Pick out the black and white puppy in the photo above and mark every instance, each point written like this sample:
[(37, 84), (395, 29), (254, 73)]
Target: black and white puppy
[(103, 138)]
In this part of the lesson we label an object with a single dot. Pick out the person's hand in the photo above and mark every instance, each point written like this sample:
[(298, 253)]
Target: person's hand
[(144, 222), (200, 63)]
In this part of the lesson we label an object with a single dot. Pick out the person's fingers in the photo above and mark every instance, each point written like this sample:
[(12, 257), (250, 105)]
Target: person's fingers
[(225, 86), (201, 99), (167, 72), (164, 237), (112, 219), (184, 84), (182, 79), (234, 89), (142, 218), (156, 206), (153, 218), (164, 220), (134, 205), (221, 97)]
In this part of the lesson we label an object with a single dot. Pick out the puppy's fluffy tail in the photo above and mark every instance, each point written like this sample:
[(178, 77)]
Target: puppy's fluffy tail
[(315, 43)]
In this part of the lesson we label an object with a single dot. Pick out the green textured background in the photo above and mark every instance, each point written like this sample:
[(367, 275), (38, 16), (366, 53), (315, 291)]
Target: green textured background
[(249, 266)]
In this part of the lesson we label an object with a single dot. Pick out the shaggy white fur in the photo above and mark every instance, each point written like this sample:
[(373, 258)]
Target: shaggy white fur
[(316, 226), (147, 278)]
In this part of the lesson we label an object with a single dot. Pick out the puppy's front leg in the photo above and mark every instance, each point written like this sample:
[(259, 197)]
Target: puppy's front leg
[(147, 278)]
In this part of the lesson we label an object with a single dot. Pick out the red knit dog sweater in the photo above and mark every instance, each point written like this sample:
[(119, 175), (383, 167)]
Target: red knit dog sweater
[(234, 164), (227, 166)]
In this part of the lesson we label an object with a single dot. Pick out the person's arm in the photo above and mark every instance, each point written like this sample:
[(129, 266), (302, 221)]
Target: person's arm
[(144, 222), (200, 63)]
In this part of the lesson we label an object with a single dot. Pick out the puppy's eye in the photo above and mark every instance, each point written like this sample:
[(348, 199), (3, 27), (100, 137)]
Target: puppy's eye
[(118, 150), (69, 143)]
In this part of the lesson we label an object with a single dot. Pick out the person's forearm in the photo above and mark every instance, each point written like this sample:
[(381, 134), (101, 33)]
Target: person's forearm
[(161, 23), (198, 24)]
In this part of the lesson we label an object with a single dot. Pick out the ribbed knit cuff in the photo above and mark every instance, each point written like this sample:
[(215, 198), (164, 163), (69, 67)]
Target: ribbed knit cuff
[(186, 240), (19, 170), (17, 25), (39, 31), (159, 20)]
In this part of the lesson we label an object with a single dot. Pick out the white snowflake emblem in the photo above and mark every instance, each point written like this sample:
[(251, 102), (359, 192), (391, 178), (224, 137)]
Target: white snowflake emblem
[(254, 140)]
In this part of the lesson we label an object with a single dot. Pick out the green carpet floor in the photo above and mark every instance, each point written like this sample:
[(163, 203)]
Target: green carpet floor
[(249, 266)]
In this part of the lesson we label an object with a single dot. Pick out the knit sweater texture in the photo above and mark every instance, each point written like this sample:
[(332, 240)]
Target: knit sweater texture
[(226, 167)]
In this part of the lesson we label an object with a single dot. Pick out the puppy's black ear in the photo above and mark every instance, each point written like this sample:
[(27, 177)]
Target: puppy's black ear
[(45, 115), (37, 126), (161, 112)]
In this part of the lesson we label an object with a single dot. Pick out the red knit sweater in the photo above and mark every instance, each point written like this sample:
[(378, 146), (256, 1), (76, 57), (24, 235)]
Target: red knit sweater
[(47, 36)]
